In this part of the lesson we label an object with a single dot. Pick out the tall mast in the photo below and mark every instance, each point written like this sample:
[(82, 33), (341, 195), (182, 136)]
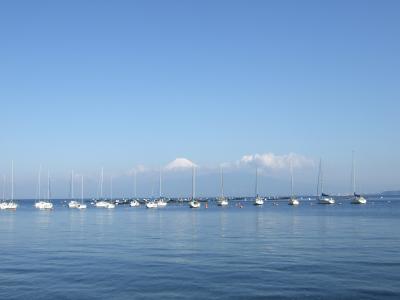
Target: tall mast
[(4, 187), (256, 188), (12, 180), (82, 190), (111, 187), (160, 183), (135, 191), (291, 178), (48, 185), (222, 182), (40, 173), (322, 180), (319, 177), (353, 168), (72, 184), (101, 183), (193, 182)]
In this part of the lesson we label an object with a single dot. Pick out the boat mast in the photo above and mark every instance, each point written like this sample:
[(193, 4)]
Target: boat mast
[(12, 181), (222, 182), (319, 177), (111, 184), (353, 168), (256, 188), (4, 187), (193, 182), (72, 184), (135, 192), (48, 185), (160, 183), (101, 183), (82, 190), (291, 178), (40, 173)]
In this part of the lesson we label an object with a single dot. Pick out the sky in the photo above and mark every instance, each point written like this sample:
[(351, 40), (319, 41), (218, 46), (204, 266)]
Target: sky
[(144, 85)]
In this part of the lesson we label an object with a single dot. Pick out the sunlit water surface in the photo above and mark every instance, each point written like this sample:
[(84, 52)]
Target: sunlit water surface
[(277, 251)]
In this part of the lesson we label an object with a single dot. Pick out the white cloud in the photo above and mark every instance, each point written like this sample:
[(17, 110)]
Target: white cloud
[(275, 162), (179, 164)]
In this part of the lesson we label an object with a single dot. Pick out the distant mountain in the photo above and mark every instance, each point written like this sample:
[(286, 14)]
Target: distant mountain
[(391, 193)]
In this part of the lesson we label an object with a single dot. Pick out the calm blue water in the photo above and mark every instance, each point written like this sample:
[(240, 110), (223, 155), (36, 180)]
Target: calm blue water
[(315, 251)]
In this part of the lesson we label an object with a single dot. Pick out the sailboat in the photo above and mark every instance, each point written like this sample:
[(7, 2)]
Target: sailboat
[(258, 200), (222, 201), (72, 203), (81, 205), (292, 200), (358, 199), (110, 204), (11, 204), (101, 203), (44, 204), (324, 198), (161, 201), (193, 203), (135, 202)]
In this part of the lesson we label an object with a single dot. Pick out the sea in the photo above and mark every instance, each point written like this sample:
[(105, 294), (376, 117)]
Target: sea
[(275, 251)]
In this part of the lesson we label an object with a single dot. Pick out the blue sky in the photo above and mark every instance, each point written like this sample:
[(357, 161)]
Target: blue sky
[(117, 84)]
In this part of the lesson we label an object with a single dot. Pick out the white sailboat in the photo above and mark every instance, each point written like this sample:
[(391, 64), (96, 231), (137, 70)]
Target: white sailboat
[(81, 205), (72, 203), (193, 203), (258, 200), (11, 205), (44, 204), (135, 202), (222, 201), (323, 198), (161, 201), (110, 204), (292, 200), (357, 198), (101, 203)]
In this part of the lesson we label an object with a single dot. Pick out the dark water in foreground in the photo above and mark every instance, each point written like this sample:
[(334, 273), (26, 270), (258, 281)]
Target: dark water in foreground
[(315, 251)]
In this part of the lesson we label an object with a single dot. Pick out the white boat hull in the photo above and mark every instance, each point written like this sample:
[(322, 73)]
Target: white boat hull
[(194, 204), (9, 205), (151, 205), (102, 204), (359, 200), (44, 205), (110, 205), (73, 204), (134, 203), (326, 200), (259, 201), (294, 202), (81, 206), (161, 204), (222, 202)]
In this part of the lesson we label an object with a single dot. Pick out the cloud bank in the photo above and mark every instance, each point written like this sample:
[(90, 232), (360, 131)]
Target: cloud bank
[(275, 162)]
